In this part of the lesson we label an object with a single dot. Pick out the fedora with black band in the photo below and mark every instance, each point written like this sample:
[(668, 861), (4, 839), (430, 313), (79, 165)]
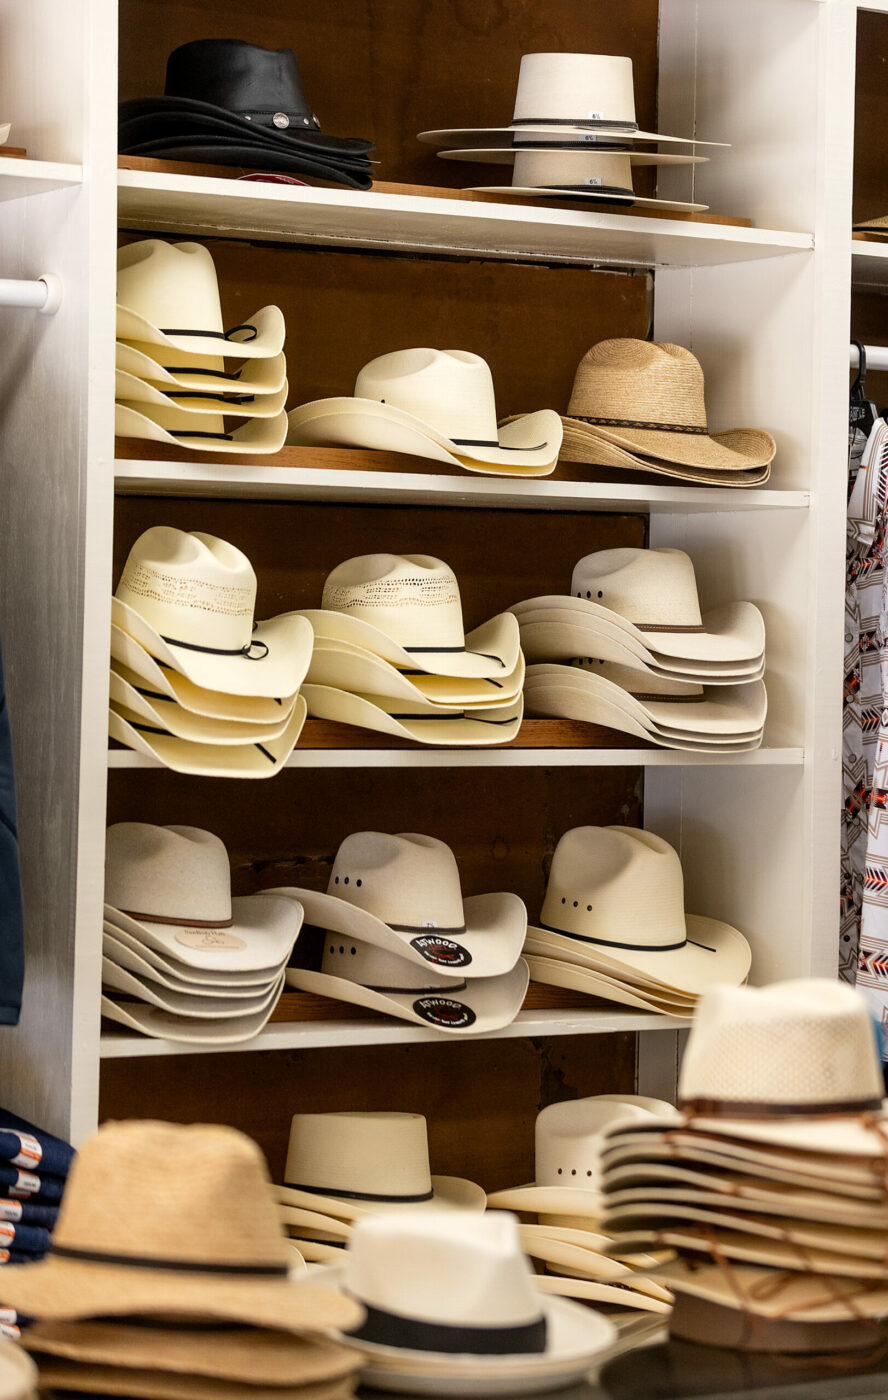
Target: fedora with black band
[(402, 894), (584, 176)]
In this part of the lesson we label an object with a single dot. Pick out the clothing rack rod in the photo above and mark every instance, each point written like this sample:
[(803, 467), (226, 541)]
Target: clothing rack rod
[(44, 294), (876, 357)]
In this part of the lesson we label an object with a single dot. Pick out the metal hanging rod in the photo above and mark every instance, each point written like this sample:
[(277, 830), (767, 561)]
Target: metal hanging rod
[(45, 294), (876, 357)]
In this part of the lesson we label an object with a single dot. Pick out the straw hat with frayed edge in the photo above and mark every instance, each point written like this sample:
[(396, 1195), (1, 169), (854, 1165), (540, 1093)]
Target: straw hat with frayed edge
[(647, 398), (58, 1375), (352, 1164), (596, 177), (160, 1219)]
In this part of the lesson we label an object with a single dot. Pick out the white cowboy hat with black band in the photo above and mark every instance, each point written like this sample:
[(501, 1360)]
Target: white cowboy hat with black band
[(583, 176), (570, 98), (347, 667), (254, 760), (169, 716), (438, 404), (198, 403), (402, 894), (161, 366), (748, 1230), (200, 433), (420, 722)]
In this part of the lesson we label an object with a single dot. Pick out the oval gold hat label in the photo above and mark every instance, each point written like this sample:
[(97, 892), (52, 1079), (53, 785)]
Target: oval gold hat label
[(211, 940)]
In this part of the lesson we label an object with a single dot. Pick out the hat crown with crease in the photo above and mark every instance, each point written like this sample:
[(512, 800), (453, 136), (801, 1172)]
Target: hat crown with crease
[(256, 83), (807, 1045), (652, 588), (161, 1193), (575, 88), (582, 170), (169, 874), (173, 286), (450, 390), (374, 1156), (409, 882), (413, 599), (616, 885), (191, 588), (569, 1138), (639, 384)]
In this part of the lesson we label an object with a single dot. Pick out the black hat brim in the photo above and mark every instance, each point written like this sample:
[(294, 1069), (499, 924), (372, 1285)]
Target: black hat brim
[(154, 117), (255, 158)]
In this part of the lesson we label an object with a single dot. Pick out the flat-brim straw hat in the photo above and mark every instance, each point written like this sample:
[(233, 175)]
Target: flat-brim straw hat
[(581, 175), (647, 398), (165, 1220)]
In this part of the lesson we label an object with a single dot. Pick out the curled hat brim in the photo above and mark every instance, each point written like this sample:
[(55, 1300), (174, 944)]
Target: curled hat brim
[(266, 928), (854, 1135), (491, 650), (549, 634), (448, 1193), (801, 1297), (195, 1003), (166, 1025), (346, 667), (468, 728), (737, 449), (168, 715), (732, 633), (140, 420), (725, 712), (593, 1291), (268, 340), (773, 1254), (259, 378), (589, 196), (642, 1229), (147, 118), (208, 760), (555, 973), (505, 155), (125, 955), (505, 135), (820, 1208), (130, 388), (607, 978), (564, 701), (645, 1179)]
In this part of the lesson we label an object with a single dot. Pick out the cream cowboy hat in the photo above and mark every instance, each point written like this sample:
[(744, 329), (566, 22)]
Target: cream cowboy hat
[(368, 976), (188, 600), (199, 403), (573, 98), (160, 1024), (142, 959), (195, 1004), (124, 956), (407, 609), (640, 1230), (212, 1250), (652, 594), (668, 708), (451, 1297), (347, 667), (647, 398), (543, 944), (556, 972), (438, 404), (183, 724), (355, 1164), (621, 892), (168, 295), (254, 760), (422, 723), (162, 367), (801, 1297), (18, 1374), (402, 894), (62, 1376), (583, 176), (203, 433), (676, 1186), (551, 634), (773, 1254)]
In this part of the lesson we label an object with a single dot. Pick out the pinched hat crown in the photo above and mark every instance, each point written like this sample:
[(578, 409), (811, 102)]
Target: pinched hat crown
[(805, 1046), (168, 874), (575, 89), (413, 599), (655, 589), (616, 886), (368, 1156), (410, 882), (640, 384), (450, 390), (173, 286)]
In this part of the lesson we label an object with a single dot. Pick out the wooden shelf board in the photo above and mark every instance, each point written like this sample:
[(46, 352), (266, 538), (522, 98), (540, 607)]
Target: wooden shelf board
[(21, 178), (331, 474), (186, 205)]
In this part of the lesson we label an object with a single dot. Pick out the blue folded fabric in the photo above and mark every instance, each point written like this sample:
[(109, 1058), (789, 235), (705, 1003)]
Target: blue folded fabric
[(28, 1213), (25, 1145), (18, 1256), (32, 1239), (20, 1185)]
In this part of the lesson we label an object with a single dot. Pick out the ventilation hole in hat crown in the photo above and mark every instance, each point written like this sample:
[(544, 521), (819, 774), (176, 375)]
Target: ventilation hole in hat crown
[(359, 883), (336, 879), (573, 1171), (341, 949), (588, 1173), (353, 950), (559, 1171), (345, 881), (600, 594), (332, 949), (576, 904), (588, 908), (588, 594), (563, 900)]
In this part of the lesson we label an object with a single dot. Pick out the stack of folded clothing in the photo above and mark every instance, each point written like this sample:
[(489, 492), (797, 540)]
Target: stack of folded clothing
[(196, 683), (172, 384), (342, 1167), (391, 654), (169, 1277), (770, 1183), (181, 959), (566, 1197), (613, 925), (631, 649), (394, 934), (34, 1168), (227, 102)]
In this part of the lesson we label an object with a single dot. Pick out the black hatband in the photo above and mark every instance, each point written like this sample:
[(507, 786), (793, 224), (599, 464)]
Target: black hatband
[(391, 1329)]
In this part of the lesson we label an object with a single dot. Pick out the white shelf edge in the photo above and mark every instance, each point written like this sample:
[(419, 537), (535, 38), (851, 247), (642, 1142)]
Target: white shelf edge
[(310, 1035), (20, 179), (305, 484), (505, 758)]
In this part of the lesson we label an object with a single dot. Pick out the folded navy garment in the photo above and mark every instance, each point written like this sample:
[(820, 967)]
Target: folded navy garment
[(25, 1145), (18, 1256), (32, 1239), (28, 1213), (19, 1185)]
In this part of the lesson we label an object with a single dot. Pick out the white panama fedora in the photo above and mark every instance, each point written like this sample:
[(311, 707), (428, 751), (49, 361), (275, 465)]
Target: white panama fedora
[(571, 98), (168, 295), (189, 599), (347, 667), (369, 976), (348, 1165), (621, 892), (583, 176), (402, 894), (161, 366), (438, 404), (254, 760), (169, 716), (420, 722), (198, 403), (668, 708), (653, 594), (201, 433), (407, 609)]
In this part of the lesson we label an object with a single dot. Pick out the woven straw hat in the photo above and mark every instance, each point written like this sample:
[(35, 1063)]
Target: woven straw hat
[(91, 1378), (647, 398), (160, 1219), (581, 175), (159, 365), (801, 1297), (253, 760), (347, 667), (207, 433), (420, 722), (128, 693)]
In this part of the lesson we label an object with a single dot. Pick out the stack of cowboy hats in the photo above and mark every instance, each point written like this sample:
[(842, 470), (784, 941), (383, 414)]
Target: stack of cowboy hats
[(394, 934), (172, 383), (196, 683), (181, 959), (228, 102), (770, 1184), (573, 135), (613, 925), (391, 654), (342, 1167), (451, 1309), (437, 404), (566, 1197), (34, 1167), (170, 1278), (631, 649)]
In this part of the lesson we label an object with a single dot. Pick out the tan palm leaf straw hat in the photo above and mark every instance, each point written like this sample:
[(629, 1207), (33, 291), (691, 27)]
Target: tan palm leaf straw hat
[(647, 398), (166, 1220)]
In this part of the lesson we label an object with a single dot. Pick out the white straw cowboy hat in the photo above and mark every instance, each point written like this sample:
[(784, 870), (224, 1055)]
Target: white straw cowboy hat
[(352, 1164), (127, 950), (59, 1375), (652, 594), (169, 716), (347, 667), (561, 972), (570, 98), (164, 1220), (420, 722), (402, 894), (194, 1004), (168, 295), (126, 957), (583, 176), (406, 608), (438, 404), (253, 760), (621, 891), (188, 600), (187, 1029), (366, 975), (161, 366), (198, 403), (668, 1185), (647, 398), (672, 709), (550, 634), (203, 433), (640, 1227), (774, 1254)]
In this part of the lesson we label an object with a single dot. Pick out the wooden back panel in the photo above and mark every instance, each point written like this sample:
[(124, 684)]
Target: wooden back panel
[(870, 118)]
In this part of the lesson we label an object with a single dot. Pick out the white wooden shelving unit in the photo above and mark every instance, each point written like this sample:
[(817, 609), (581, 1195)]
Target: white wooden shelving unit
[(767, 311)]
